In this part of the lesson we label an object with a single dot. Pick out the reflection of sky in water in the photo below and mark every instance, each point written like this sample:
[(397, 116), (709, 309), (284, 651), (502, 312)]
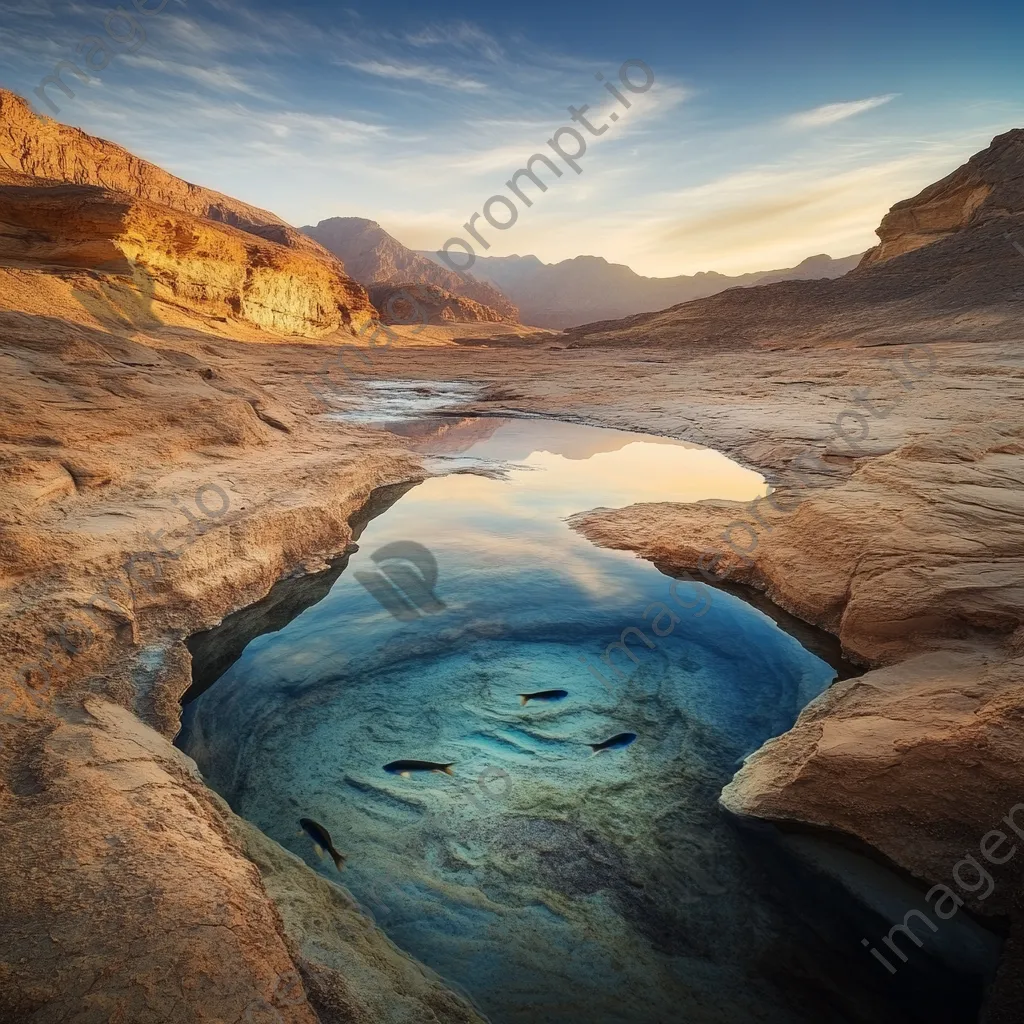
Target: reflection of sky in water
[(552, 885)]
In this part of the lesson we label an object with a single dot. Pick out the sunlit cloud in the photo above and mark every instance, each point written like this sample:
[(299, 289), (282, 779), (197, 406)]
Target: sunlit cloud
[(832, 113)]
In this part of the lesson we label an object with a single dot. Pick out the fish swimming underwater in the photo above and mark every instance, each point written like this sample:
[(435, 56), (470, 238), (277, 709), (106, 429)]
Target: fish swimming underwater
[(406, 768), (617, 742), (543, 695), (321, 840)]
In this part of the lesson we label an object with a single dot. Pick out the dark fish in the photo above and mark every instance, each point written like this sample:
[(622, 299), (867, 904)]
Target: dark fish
[(543, 695), (322, 840), (406, 768), (617, 742)]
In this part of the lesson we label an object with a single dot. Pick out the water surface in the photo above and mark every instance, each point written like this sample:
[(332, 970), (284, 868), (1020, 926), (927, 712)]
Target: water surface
[(550, 884)]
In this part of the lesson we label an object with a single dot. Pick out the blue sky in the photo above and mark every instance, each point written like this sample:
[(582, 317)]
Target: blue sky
[(771, 132)]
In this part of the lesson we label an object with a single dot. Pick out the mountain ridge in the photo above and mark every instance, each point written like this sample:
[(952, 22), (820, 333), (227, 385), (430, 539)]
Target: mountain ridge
[(586, 288)]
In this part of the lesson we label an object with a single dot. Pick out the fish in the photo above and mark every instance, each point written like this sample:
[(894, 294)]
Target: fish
[(321, 840), (406, 768), (543, 695), (617, 742)]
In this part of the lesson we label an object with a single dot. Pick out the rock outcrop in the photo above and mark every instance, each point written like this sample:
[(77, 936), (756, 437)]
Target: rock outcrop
[(374, 258), (988, 188), (427, 304), (962, 278), (205, 266), (43, 148), (36, 150)]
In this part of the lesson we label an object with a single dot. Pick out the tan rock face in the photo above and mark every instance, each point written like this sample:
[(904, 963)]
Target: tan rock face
[(990, 186), (43, 148), (207, 267), (910, 743), (893, 560), (113, 809)]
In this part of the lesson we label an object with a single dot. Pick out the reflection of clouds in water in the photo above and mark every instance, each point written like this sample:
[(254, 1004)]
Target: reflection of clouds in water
[(515, 439), (642, 472)]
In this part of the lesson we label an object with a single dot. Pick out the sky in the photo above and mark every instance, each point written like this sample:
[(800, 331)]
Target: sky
[(770, 132)]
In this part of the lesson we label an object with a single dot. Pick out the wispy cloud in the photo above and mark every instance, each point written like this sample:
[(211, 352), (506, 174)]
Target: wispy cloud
[(215, 78), (830, 113), (416, 73), (461, 35)]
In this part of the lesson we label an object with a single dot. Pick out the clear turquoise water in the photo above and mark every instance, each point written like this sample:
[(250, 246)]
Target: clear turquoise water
[(549, 884)]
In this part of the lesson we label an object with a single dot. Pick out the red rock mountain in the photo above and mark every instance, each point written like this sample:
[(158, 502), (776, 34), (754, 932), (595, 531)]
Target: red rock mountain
[(373, 257)]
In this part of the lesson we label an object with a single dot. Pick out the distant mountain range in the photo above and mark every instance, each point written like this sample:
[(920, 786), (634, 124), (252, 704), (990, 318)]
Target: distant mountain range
[(589, 288), (523, 288)]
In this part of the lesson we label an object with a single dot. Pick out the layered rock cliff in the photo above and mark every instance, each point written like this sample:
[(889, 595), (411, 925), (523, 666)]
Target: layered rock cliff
[(43, 148), (988, 188), (205, 266)]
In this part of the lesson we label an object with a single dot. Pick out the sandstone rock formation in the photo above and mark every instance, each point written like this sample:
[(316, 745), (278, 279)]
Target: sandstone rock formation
[(374, 258), (988, 188), (36, 151), (205, 266), (43, 148)]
